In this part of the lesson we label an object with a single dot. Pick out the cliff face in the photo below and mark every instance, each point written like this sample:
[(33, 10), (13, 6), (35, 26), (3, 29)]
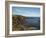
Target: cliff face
[(17, 22)]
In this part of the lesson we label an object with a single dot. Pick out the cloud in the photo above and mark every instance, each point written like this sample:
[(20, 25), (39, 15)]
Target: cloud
[(26, 12)]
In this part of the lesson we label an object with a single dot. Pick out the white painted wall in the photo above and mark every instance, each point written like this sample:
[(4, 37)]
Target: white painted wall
[(2, 19)]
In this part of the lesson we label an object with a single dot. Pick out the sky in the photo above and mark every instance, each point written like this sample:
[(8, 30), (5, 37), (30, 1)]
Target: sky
[(26, 11)]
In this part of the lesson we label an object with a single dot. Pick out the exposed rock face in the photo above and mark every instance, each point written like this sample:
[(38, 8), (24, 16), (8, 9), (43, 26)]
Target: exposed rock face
[(17, 22)]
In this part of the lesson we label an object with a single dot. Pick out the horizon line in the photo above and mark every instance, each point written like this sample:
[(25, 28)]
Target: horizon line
[(28, 16)]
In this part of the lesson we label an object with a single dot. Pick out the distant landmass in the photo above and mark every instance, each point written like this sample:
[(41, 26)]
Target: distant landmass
[(21, 23)]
